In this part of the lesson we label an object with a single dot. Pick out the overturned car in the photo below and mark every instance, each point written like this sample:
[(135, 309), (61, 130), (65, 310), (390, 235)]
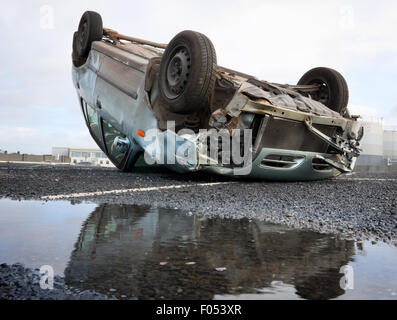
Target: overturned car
[(175, 106)]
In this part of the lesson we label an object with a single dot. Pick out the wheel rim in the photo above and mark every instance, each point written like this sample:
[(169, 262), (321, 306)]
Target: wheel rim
[(178, 71), (323, 94)]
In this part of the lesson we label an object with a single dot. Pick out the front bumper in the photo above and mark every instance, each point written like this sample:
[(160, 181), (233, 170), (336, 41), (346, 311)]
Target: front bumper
[(291, 166), (269, 164)]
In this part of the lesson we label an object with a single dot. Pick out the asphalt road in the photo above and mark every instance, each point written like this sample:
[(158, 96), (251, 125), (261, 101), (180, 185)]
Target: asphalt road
[(360, 206)]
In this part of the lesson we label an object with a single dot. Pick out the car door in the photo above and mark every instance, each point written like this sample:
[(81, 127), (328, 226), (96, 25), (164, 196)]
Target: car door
[(119, 85)]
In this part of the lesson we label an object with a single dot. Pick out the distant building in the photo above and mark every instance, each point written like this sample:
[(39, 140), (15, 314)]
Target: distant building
[(82, 156), (379, 144), (390, 146), (372, 143)]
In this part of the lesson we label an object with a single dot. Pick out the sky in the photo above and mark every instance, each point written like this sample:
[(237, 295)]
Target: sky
[(276, 41)]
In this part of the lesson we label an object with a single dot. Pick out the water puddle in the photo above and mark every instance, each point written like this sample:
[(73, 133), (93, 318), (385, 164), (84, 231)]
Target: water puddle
[(149, 253)]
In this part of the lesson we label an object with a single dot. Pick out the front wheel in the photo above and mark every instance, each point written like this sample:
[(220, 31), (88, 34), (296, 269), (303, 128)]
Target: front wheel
[(333, 91), (188, 73)]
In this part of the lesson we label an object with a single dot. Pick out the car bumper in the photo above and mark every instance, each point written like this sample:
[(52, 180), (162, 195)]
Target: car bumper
[(292, 166), (269, 164)]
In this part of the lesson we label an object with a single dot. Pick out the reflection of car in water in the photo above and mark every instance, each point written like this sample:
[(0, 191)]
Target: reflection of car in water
[(143, 253), (128, 87)]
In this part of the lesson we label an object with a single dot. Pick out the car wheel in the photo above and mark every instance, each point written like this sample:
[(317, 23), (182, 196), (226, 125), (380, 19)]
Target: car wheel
[(77, 60), (90, 30), (188, 73), (333, 91)]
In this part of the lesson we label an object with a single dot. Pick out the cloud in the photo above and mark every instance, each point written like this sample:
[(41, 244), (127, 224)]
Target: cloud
[(370, 113), (394, 110), (37, 141), (364, 111)]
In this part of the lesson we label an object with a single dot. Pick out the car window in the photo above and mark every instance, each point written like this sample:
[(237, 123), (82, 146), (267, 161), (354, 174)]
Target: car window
[(110, 133), (93, 122)]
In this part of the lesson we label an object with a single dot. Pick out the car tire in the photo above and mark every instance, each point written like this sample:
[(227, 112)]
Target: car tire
[(77, 60), (334, 92), (90, 30), (188, 73)]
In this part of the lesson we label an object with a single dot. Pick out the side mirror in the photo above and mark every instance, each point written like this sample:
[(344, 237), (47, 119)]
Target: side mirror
[(121, 144)]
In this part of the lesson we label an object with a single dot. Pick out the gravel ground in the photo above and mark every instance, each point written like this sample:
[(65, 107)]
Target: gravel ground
[(20, 283), (361, 206)]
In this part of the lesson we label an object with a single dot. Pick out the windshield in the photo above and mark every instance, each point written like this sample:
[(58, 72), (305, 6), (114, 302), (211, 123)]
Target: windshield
[(110, 133), (93, 122)]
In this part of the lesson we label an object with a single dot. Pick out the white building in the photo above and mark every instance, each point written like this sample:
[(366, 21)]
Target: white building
[(81, 156), (390, 145), (372, 143), (379, 144)]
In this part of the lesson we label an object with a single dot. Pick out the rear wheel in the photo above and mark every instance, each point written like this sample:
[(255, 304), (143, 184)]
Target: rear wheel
[(333, 91), (188, 73), (90, 30)]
